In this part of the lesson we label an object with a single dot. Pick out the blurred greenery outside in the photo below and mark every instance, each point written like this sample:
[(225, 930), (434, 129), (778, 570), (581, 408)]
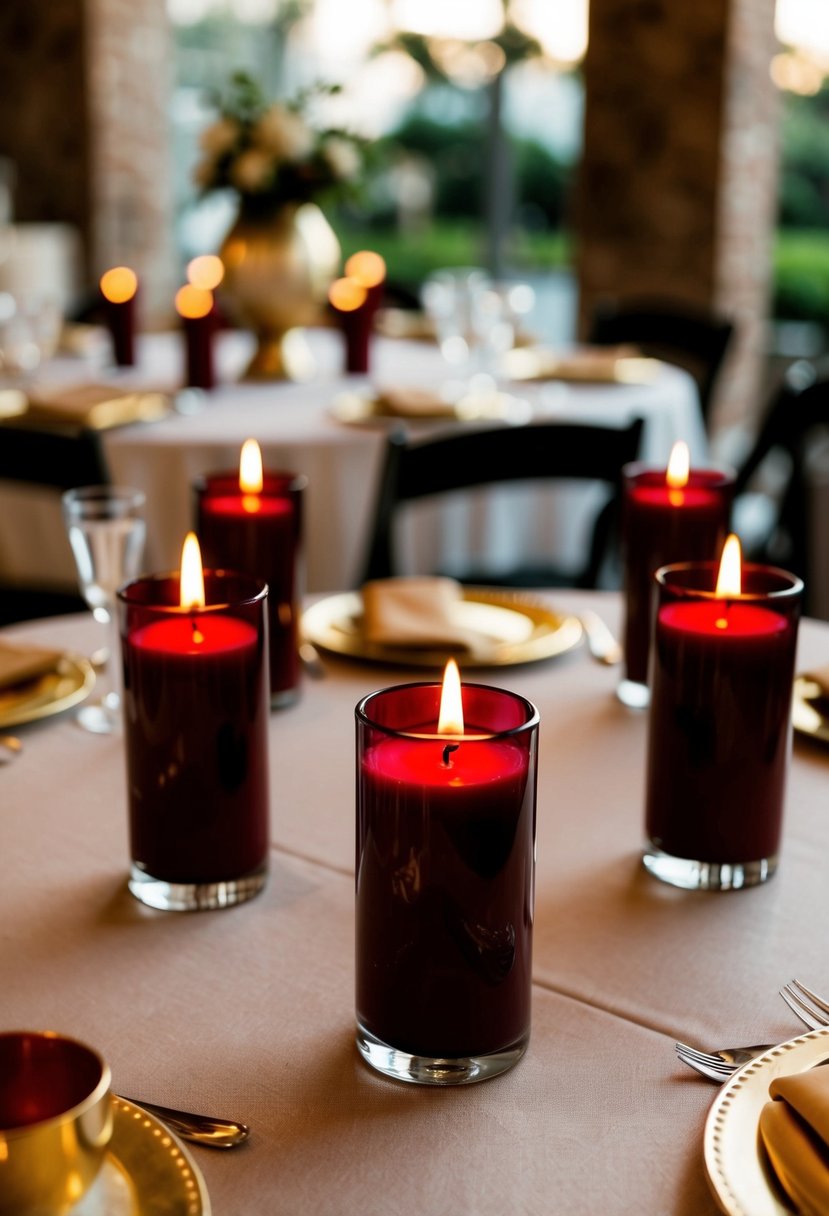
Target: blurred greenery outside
[(443, 163)]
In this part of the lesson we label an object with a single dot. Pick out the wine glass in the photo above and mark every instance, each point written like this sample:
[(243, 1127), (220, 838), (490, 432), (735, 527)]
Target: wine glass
[(106, 531)]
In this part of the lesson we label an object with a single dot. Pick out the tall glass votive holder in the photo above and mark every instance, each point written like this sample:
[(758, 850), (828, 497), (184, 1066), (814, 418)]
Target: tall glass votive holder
[(444, 883), (662, 524), (720, 725), (261, 534), (196, 735)]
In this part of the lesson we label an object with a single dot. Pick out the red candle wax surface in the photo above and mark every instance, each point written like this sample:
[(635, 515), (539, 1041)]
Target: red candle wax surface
[(260, 534), (663, 525), (444, 892), (719, 729), (196, 714)]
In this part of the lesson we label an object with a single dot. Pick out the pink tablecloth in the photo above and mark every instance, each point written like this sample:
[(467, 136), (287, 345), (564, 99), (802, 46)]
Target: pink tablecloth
[(249, 1011)]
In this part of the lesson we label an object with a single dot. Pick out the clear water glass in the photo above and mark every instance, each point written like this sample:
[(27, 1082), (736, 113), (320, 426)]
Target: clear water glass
[(106, 531)]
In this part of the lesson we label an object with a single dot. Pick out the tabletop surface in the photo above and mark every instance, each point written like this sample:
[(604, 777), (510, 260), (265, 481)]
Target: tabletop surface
[(248, 1012)]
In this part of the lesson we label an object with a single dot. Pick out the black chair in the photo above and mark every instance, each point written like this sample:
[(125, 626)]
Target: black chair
[(798, 409), (457, 461), (677, 333), (49, 459)]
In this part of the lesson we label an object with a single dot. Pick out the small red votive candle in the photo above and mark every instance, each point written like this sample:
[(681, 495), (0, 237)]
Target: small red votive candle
[(369, 270), (196, 308), (195, 725), (252, 521), (445, 880), (119, 291), (720, 721), (350, 302), (672, 515)]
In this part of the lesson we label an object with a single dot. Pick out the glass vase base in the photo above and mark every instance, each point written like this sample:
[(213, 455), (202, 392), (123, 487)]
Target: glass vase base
[(195, 896), (434, 1070), (633, 694), (706, 875)]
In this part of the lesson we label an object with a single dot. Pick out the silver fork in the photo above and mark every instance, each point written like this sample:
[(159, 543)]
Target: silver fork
[(812, 1009), (718, 1066)]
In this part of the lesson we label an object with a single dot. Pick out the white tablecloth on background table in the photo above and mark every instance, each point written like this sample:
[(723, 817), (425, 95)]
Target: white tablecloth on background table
[(293, 423), (249, 1011)]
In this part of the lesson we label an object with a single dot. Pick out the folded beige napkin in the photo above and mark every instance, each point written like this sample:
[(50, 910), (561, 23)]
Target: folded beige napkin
[(95, 405), (411, 402), (421, 614), (19, 663), (794, 1128), (819, 676)]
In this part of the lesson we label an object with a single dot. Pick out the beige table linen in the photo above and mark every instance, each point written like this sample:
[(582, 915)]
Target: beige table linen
[(249, 1011)]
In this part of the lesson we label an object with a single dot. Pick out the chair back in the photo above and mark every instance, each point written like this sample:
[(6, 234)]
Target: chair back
[(475, 458), (677, 333), (53, 459)]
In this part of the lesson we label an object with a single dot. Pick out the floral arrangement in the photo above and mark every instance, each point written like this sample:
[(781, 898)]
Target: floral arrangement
[(269, 152)]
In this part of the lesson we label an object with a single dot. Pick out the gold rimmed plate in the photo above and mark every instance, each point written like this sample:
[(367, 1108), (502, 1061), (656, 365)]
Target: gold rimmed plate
[(69, 683), (147, 1171), (810, 709), (739, 1173), (425, 406), (522, 629)]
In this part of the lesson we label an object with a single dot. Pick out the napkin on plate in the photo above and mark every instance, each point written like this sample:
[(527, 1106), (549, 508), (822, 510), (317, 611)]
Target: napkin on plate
[(584, 365), (413, 402), (794, 1128), (820, 677), (95, 405), (19, 663), (421, 614)]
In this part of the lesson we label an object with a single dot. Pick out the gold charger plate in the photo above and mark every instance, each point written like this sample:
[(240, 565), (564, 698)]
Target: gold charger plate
[(361, 409), (70, 682), (810, 709), (587, 365), (735, 1161), (146, 1171), (527, 631)]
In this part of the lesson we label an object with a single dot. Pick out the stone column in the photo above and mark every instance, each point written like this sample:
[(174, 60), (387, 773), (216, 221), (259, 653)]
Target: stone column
[(678, 186)]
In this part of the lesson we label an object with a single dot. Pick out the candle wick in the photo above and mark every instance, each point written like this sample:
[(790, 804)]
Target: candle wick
[(447, 752), (198, 636)]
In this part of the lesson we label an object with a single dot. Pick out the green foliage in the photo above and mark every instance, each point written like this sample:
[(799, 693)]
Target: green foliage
[(804, 192), (801, 276)]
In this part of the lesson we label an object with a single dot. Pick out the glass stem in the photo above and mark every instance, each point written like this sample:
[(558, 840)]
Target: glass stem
[(111, 683)]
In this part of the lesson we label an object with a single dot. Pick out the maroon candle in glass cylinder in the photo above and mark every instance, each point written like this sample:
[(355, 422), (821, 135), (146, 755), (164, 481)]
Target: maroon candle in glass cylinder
[(252, 521), (195, 725), (672, 515), (355, 314), (119, 289), (199, 320), (720, 730), (445, 874)]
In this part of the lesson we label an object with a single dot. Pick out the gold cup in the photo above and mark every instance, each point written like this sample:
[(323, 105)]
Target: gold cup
[(55, 1121)]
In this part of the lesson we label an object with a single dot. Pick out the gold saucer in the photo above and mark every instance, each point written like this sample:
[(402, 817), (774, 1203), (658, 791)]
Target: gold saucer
[(146, 1172), (70, 682)]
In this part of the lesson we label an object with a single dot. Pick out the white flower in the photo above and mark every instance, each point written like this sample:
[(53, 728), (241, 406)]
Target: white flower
[(219, 137), (342, 156), (252, 171), (284, 134)]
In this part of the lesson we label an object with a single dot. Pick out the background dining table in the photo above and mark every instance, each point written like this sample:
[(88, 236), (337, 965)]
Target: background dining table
[(299, 429), (248, 1012)]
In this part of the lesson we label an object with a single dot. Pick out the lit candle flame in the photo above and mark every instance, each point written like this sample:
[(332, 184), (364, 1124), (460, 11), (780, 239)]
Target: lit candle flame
[(192, 576), (450, 719), (367, 267), (729, 579), (119, 284), (205, 271), (193, 302), (347, 295), (679, 466), (250, 468)]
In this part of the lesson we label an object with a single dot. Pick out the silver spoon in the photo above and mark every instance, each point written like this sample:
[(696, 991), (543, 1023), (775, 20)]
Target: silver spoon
[(199, 1129), (601, 643)]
